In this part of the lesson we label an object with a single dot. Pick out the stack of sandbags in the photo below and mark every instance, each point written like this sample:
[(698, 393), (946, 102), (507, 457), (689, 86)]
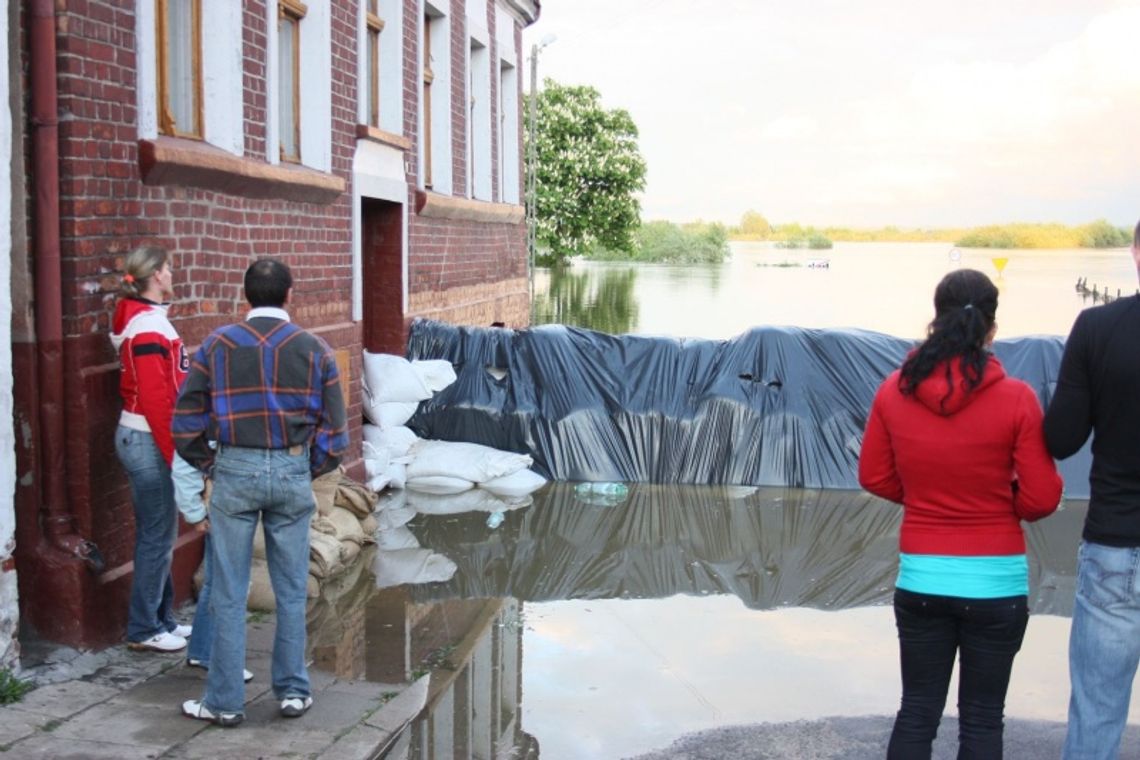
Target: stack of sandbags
[(446, 477), (341, 526), (399, 558)]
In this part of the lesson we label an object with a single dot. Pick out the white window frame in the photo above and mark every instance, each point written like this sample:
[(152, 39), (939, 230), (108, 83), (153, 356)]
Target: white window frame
[(441, 88), (223, 124), (479, 169), (315, 86)]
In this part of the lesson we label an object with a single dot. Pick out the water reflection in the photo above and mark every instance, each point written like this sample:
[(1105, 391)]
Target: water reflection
[(601, 299), (695, 599)]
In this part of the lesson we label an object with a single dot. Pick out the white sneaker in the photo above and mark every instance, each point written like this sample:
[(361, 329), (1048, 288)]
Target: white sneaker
[(183, 630), (160, 642), (295, 707), (193, 708)]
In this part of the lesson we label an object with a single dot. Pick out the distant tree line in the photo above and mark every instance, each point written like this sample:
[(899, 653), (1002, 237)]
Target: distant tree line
[(1098, 234)]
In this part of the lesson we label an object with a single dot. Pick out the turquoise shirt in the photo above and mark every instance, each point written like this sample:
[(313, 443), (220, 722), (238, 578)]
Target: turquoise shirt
[(968, 577)]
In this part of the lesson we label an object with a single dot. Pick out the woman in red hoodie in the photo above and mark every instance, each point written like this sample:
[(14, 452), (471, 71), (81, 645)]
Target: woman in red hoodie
[(960, 445), (154, 364)]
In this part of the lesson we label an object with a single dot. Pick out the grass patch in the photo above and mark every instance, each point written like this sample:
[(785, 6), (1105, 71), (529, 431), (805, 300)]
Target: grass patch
[(257, 616), (12, 689)]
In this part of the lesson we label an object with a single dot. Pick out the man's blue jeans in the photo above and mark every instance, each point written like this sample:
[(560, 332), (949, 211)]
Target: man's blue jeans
[(274, 485), (156, 526), (1104, 648), (984, 634)]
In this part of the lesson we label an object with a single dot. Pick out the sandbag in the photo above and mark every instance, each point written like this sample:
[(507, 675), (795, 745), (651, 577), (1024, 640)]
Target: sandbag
[(324, 490), (436, 374), (390, 414), (369, 526), (355, 497), (346, 526), (395, 568), (474, 500), (388, 377), (518, 483), (439, 484), (397, 538), (471, 461), (325, 554), (397, 440)]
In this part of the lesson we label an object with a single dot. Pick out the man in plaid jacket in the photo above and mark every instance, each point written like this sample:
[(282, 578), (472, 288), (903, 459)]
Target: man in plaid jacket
[(269, 393)]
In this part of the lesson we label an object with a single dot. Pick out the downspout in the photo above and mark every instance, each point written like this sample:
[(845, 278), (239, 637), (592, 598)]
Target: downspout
[(58, 520)]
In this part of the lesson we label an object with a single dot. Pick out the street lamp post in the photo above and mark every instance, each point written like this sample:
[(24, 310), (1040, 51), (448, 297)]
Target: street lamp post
[(532, 163)]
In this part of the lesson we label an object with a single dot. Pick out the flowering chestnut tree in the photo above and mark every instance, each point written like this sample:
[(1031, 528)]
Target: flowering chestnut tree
[(588, 171)]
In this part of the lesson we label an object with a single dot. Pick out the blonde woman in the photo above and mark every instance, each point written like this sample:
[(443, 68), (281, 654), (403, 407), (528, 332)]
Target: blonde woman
[(154, 363)]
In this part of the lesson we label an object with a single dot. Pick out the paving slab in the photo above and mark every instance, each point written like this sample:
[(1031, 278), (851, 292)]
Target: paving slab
[(117, 722), (361, 742), (52, 747), (64, 699), (16, 725)]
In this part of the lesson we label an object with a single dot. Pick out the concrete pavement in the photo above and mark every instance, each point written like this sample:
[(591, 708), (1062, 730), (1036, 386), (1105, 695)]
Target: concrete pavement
[(125, 705)]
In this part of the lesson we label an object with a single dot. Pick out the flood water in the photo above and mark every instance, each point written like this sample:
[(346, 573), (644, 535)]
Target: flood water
[(571, 630)]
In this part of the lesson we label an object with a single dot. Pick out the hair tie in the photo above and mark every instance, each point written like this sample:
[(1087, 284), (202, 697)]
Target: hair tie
[(128, 278)]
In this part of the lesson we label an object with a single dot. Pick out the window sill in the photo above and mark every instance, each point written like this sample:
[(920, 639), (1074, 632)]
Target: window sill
[(446, 207), (176, 161), (365, 132)]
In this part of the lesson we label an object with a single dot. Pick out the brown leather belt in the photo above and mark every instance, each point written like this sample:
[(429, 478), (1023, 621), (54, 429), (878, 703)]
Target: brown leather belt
[(296, 451)]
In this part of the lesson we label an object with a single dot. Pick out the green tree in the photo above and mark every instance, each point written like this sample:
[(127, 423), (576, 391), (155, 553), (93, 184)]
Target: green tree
[(589, 168), (753, 224)]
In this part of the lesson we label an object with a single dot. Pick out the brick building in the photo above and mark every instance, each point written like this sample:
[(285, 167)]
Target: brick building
[(374, 145)]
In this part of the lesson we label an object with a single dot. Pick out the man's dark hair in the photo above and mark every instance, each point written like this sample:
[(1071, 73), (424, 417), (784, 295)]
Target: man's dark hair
[(1136, 237), (267, 283)]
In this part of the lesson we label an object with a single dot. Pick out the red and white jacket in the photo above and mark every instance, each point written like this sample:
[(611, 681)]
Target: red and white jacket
[(154, 364)]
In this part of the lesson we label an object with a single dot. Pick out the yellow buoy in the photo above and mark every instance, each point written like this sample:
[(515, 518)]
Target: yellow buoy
[(999, 263)]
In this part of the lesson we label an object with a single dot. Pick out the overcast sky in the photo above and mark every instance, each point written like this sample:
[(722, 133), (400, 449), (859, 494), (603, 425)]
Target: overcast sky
[(867, 113)]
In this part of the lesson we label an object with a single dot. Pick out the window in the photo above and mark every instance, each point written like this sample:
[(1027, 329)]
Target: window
[(426, 99), (508, 133), (374, 25), (479, 122), (179, 47), (289, 15)]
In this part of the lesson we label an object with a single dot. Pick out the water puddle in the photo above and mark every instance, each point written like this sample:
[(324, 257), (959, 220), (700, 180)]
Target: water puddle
[(574, 630)]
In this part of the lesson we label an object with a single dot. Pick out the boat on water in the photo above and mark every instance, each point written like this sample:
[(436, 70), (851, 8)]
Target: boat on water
[(819, 263)]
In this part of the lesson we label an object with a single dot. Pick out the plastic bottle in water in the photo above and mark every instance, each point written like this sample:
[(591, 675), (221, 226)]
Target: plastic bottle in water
[(608, 490), (495, 519)]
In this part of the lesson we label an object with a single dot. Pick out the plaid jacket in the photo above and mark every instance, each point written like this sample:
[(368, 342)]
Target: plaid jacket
[(264, 383)]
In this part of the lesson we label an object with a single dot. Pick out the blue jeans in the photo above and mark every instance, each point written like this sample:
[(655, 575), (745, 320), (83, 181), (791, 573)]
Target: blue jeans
[(202, 637), (156, 527), (985, 634), (274, 485), (1104, 648)]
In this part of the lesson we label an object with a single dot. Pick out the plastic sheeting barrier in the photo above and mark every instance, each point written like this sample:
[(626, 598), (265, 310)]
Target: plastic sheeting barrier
[(777, 406)]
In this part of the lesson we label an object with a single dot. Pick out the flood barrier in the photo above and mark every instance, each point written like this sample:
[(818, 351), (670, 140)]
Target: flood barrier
[(776, 406)]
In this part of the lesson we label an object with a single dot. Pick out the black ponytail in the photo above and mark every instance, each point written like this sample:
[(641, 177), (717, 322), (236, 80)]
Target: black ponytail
[(965, 304)]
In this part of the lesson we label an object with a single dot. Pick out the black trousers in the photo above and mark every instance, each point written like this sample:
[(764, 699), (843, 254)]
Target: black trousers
[(985, 634)]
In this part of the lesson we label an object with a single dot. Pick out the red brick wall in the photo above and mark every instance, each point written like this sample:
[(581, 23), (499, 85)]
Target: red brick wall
[(106, 211)]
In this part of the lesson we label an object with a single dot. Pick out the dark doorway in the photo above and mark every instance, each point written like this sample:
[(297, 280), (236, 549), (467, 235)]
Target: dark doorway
[(385, 328)]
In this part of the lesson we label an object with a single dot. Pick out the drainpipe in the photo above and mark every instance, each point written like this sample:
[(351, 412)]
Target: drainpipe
[(58, 520)]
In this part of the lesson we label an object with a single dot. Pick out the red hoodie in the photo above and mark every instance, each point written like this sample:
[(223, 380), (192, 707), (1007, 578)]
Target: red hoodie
[(154, 364), (953, 465)]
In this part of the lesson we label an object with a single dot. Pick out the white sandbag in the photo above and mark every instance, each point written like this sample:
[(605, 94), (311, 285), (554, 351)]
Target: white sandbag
[(397, 440), (394, 518), (388, 377), (378, 483), (471, 461), (390, 414), (437, 374), (397, 475), (400, 566), (376, 460), (474, 500), (439, 484), (518, 483), (389, 500), (397, 538)]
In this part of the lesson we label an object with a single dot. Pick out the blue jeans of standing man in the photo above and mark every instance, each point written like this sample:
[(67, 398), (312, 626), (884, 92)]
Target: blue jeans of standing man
[(156, 526), (985, 634), (1104, 648), (275, 485)]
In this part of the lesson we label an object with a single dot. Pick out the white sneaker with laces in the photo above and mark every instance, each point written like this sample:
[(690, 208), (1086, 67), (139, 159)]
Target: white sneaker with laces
[(160, 642), (183, 630), (193, 708), (295, 707)]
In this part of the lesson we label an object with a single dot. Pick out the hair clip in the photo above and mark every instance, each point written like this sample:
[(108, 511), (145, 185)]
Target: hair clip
[(128, 278)]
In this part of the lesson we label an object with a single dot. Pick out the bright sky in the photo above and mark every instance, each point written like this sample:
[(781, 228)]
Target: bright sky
[(867, 113)]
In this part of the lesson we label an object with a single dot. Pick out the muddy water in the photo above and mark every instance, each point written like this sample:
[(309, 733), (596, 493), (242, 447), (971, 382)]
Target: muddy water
[(575, 631)]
